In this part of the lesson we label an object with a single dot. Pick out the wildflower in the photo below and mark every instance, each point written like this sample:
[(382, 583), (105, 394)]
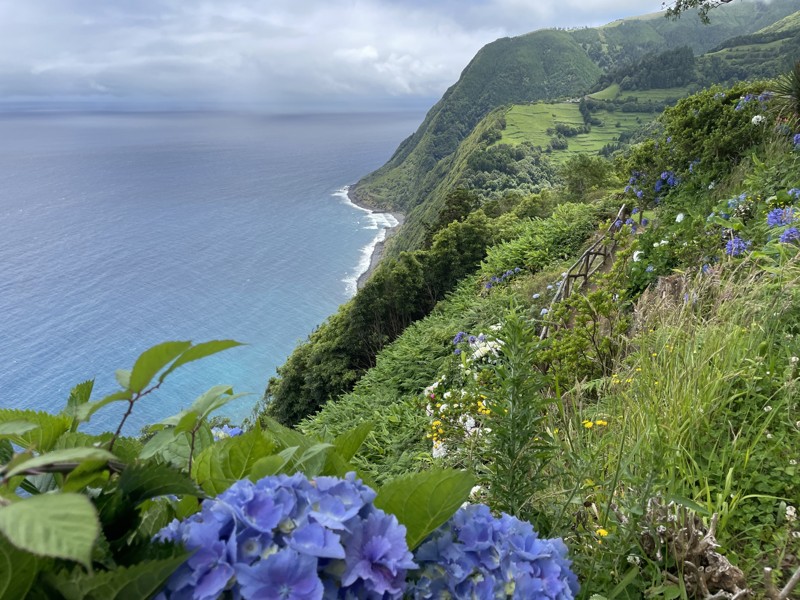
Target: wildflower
[(767, 408), (617, 223), (602, 532), (459, 336), (588, 424), (737, 246), (758, 119), (536, 296), (630, 222), (637, 255), (549, 287), (543, 312), (601, 422), (635, 211), (633, 559), (639, 194), (793, 462), (791, 513), (780, 216), (488, 286), (650, 268), (645, 222), (457, 351), (680, 217), (790, 235), (796, 141), (664, 242)]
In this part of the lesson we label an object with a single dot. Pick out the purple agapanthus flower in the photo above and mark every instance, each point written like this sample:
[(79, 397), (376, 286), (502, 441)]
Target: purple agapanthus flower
[(779, 217), (737, 246), (790, 235)]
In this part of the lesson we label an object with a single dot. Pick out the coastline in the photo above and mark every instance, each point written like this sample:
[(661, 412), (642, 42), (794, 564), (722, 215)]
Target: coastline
[(380, 242)]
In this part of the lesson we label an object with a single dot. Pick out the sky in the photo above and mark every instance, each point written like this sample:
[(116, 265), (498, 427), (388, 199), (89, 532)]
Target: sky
[(274, 54)]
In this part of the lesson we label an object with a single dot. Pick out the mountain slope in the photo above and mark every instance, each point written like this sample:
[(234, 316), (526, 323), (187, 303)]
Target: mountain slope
[(545, 64)]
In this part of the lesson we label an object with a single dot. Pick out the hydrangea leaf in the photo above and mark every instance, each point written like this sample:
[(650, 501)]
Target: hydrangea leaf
[(228, 460), (49, 428), (139, 581), (79, 395), (152, 360), (424, 501), (17, 571), (68, 455), (175, 447), (16, 428), (348, 443), (146, 480), (58, 525), (199, 351), (85, 411)]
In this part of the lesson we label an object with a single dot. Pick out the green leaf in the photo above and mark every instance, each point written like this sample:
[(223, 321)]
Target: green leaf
[(18, 569), (78, 395), (229, 460), (6, 451), (123, 377), (16, 428), (215, 398), (151, 361), (174, 447), (348, 443), (285, 437), (85, 411), (313, 460), (59, 525), (143, 481), (199, 351), (269, 465), (424, 501), (68, 455), (136, 582), (49, 428), (631, 575)]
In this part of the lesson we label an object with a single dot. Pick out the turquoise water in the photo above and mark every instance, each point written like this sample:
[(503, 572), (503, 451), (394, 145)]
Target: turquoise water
[(120, 231)]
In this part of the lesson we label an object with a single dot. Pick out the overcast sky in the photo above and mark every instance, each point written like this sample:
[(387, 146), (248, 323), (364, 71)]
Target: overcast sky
[(272, 53)]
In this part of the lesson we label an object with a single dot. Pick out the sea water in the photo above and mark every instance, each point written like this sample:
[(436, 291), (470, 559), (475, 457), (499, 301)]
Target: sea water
[(120, 231)]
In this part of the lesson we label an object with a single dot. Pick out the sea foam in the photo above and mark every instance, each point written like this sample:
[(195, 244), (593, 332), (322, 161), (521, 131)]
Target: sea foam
[(378, 221)]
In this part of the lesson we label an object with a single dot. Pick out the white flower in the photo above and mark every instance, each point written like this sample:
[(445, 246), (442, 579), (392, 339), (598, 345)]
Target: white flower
[(791, 514), (711, 185), (767, 408), (655, 244), (796, 534), (793, 462), (543, 312), (496, 327), (549, 287), (664, 242), (794, 360), (680, 217), (536, 296), (637, 256), (563, 275), (634, 560), (758, 120), (439, 450)]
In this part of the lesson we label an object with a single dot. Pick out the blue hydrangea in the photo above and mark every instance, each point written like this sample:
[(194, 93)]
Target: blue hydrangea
[(476, 555), (778, 217), (790, 235), (796, 140), (459, 336), (794, 192), (645, 221), (290, 538), (737, 246), (226, 431)]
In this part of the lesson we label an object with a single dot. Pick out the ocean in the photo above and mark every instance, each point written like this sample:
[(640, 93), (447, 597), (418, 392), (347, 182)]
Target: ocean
[(119, 231)]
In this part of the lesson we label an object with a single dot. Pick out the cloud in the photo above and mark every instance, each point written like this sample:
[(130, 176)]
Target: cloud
[(266, 52)]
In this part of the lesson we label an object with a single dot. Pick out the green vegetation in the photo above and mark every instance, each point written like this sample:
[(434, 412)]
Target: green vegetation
[(646, 413)]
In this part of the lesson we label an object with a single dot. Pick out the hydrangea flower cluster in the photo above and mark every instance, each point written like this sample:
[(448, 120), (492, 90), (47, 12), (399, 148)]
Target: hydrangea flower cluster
[(226, 431), (495, 279), (475, 555), (796, 141), (667, 178), (778, 217), (290, 538), (737, 246)]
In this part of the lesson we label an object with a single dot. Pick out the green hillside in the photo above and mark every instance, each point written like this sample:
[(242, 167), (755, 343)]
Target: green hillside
[(544, 65)]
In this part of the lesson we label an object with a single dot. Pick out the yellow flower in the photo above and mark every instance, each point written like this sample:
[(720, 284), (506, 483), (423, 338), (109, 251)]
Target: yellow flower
[(654, 355), (601, 422), (588, 424), (602, 532)]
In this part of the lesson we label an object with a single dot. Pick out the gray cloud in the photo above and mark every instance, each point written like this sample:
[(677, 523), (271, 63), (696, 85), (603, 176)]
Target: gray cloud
[(265, 52)]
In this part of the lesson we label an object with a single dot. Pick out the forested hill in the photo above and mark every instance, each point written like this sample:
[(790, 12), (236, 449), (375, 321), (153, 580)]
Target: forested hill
[(546, 64)]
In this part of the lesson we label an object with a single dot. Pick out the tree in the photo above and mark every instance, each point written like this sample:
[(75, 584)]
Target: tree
[(703, 6)]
